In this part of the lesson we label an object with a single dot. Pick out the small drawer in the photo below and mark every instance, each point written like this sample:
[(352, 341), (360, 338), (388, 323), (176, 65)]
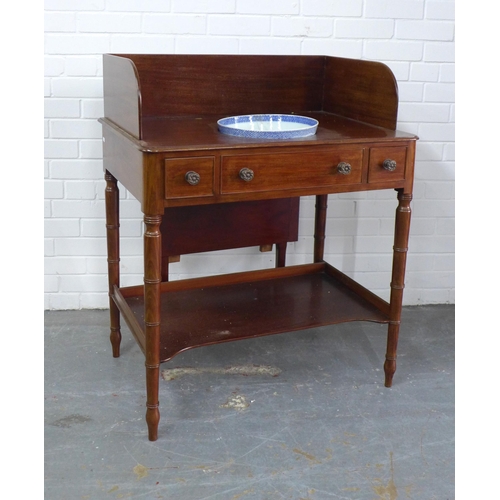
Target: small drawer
[(387, 164), (189, 177), (279, 171)]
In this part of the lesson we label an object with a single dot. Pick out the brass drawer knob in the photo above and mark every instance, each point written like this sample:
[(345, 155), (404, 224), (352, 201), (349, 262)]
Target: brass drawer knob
[(192, 178), (344, 168), (389, 165), (246, 174)]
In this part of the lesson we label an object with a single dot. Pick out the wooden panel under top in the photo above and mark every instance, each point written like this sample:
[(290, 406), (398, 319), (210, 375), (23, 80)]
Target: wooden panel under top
[(207, 228), (208, 315), (291, 171)]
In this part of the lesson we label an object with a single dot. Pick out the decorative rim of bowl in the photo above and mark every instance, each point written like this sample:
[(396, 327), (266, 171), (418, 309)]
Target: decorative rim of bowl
[(310, 125)]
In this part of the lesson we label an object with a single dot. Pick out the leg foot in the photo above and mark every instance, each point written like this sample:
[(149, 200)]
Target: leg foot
[(152, 403), (389, 369), (115, 337), (390, 356), (153, 419)]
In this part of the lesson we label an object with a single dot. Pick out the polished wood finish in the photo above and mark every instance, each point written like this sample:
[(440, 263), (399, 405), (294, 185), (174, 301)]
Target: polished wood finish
[(162, 144), (401, 235), (230, 225), (122, 95), (152, 318), (377, 172), (176, 184), (198, 85), (257, 304), (112, 197), (350, 87), (320, 226), (316, 169)]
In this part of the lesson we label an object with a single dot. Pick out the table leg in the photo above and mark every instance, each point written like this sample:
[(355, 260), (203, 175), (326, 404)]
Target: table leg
[(319, 227), (152, 319), (281, 254), (401, 235), (113, 242)]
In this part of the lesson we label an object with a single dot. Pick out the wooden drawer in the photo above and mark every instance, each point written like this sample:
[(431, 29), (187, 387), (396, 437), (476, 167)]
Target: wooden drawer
[(189, 177), (377, 172), (269, 172)]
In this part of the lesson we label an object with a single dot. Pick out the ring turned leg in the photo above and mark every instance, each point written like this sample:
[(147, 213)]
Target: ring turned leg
[(401, 235), (113, 242), (319, 227), (152, 319)]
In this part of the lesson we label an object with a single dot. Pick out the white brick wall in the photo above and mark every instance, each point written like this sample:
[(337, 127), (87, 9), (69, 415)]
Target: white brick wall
[(414, 37)]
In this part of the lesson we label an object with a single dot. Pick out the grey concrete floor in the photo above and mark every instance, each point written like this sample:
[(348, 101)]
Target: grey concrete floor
[(302, 415)]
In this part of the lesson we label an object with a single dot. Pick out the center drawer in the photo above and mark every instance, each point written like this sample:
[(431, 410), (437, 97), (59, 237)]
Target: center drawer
[(268, 172)]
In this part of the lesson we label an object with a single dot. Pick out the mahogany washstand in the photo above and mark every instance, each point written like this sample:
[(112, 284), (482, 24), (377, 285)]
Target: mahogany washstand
[(160, 124)]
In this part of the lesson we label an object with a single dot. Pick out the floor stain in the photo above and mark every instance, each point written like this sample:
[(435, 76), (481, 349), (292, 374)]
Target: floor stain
[(388, 492), (309, 457), (237, 402), (310, 492), (71, 420), (140, 471), (409, 491), (245, 370), (239, 495)]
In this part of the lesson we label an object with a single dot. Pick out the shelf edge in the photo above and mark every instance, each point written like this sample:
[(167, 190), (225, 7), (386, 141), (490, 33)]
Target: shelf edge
[(382, 305), (130, 318), (227, 279)]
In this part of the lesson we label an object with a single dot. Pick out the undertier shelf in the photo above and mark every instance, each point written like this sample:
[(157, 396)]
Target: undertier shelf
[(206, 311)]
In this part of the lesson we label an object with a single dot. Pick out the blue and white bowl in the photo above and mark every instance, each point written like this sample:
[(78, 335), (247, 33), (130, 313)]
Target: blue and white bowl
[(268, 126)]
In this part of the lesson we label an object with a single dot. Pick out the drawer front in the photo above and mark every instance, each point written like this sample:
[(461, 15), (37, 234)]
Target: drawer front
[(189, 177), (382, 167), (270, 172)]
